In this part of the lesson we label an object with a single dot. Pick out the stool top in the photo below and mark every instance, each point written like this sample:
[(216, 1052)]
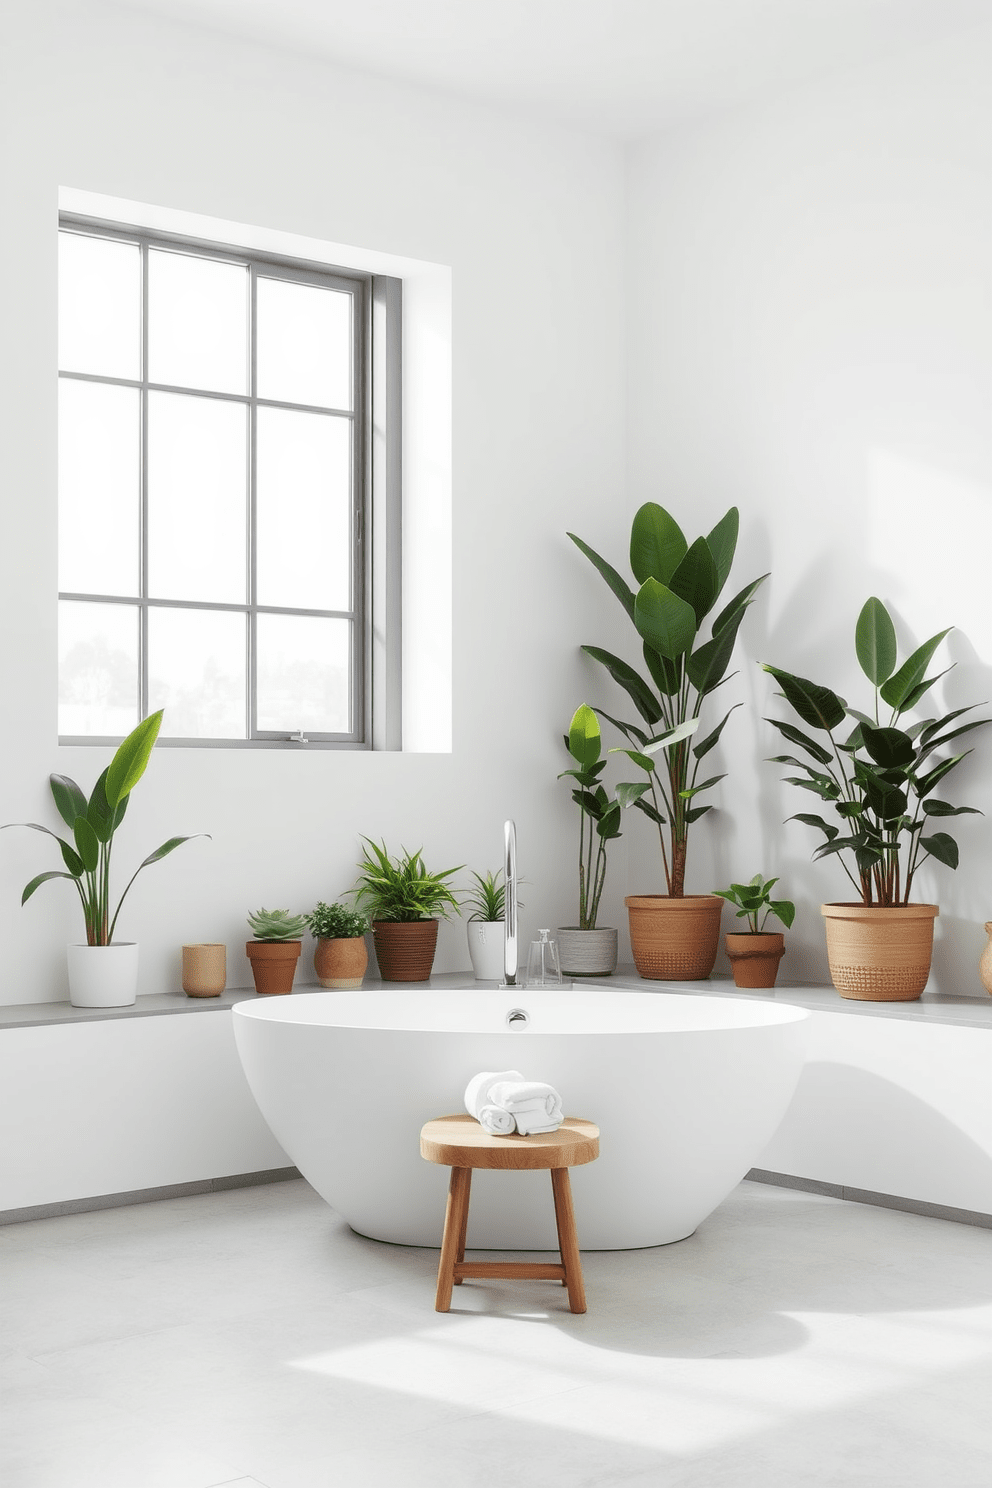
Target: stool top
[(460, 1142)]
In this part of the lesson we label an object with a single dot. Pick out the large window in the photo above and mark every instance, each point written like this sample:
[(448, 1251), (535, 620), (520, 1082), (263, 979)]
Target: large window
[(214, 449)]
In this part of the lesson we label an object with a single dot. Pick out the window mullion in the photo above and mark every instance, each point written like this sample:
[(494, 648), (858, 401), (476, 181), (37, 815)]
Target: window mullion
[(252, 576), (143, 516)]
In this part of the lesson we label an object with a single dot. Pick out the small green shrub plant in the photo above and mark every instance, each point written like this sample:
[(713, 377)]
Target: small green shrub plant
[(336, 922)]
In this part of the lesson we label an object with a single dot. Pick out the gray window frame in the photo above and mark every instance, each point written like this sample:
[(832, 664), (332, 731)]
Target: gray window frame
[(376, 693)]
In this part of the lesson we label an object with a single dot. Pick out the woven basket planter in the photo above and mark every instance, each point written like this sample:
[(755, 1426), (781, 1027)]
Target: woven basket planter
[(878, 954), (587, 953), (404, 950), (674, 940)]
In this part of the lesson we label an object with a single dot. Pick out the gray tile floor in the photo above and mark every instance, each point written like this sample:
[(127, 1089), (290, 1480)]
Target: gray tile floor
[(249, 1339)]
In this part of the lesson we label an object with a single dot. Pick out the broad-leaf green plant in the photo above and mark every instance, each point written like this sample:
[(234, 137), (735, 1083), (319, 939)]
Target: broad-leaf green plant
[(753, 899), (599, 816), (93, 824), (880, 777), (275, 925), (679, 584), (336, 922), (401, 888)]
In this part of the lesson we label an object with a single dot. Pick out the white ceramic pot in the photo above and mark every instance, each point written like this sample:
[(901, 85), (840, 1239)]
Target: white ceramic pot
[(103, 976), (587, 952), (486, 943)]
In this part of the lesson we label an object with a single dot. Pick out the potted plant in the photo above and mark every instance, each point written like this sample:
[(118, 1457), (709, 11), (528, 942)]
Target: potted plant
[(584, 949), (404, 901), (104, 971), (341, 957), (755, 953), (275, 950), (880, 782), (486, 928), (673, 935)]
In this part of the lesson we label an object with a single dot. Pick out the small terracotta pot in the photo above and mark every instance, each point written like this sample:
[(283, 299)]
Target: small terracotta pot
[(755, 958), (341, 962), (404, 950), (273, 964), (879, 954), (674, 940), (204, 970)]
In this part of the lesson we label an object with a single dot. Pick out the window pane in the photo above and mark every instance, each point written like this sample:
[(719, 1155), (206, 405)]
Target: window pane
[(99, 306), (99, 483), (303, 496), (98, 669), (304, 344), (197, 322), (197, 502), (196, 672), (303, 674)]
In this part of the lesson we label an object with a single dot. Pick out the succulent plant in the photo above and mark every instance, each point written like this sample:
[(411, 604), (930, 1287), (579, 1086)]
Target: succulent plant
[(277, 924)]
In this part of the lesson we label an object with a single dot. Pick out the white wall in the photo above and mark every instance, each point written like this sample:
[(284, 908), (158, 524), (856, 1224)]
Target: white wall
[(810, 337), (529, 218)]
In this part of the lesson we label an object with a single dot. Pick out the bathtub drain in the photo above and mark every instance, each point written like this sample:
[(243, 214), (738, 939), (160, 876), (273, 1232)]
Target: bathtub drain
[(517, 1018)]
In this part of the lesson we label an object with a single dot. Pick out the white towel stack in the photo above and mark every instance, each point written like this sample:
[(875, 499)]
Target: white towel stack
[(504, 1103)]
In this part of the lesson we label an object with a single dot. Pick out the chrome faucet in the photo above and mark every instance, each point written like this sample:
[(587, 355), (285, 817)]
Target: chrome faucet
[(509, 905)]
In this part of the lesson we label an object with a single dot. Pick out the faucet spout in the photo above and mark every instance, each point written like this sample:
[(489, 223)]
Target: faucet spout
[(510, 904)]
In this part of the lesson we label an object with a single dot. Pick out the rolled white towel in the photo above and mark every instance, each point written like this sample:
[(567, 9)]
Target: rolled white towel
[(477, 1090), (533, 1124), (496, 1121), (528, 1096)]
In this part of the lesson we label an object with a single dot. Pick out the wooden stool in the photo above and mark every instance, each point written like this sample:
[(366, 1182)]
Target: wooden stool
[(461, 1144)]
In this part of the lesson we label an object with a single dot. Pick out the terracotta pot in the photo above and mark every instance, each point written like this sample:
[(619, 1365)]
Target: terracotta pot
[(754, 958), (273, 964), (341, 962), (404, 950), (204, 969), (674, 940), (587, 953), (878, 954)]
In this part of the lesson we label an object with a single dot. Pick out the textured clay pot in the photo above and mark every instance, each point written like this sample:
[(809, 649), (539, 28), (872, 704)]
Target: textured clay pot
[(341, 962), (985, 964), (487, 949), (273, 964), (204, 969), (674, 940), (877, 954), (755, 959), (404, 950), (586, 953), (103, 976)]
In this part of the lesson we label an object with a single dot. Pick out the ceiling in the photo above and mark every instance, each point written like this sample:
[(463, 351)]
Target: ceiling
[(620, 68)]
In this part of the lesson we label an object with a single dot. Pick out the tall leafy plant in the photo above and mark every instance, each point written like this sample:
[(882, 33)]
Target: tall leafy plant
[(599, 817), (679, 585), (93, 824), (402, 888), (879, 779)]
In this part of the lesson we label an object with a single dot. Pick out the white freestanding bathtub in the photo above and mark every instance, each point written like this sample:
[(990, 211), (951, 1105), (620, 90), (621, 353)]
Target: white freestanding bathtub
[(686, 1090)]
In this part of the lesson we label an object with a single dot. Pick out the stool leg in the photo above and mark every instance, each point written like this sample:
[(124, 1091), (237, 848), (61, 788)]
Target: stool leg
[(568, 1242), (464, 1229), (455, 1219)]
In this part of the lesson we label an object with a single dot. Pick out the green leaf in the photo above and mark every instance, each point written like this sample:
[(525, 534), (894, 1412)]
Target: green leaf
[(931, 727), (922, 687), (619, 585), (98, 813), (796, 736), (665, 674), (608, 825), (875, 642), (825, 792), (739, 602), (657, 544), (652, 811), (926, 783), (816, 705), (888, 746), (937, 740), (695, 579), (712, 739), (584, 738), (630, 730), (897, 689), (694, 790), (174, 842), (128, 764), (636, 688), (69, 799), (816, 821), (672, 736), (705, 668), (629, 792), (941, 847), (722, 543), (665, 621), (941, 808), (87, 843), (695, 812), (887, 804), (642, 760), (43, 878), (785, 910)]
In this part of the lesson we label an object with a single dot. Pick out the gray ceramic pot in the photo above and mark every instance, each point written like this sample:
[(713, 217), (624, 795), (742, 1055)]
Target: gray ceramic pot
[(587, 953)]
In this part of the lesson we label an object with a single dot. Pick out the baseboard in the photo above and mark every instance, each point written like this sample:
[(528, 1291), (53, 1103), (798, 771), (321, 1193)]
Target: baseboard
[(146, 1195), (868, 1196)]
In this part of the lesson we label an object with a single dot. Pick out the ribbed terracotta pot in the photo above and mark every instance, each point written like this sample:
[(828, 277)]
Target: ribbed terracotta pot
[(273, 964), (879, 955), (754, 959), (340, 962), (404, 950), (674, 940), (587, 953)]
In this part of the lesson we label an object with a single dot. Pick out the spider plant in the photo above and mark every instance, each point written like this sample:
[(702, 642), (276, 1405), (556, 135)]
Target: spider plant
[(401, 888)]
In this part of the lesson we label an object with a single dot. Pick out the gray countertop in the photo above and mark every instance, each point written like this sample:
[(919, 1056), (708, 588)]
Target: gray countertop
[(970, 1012)]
